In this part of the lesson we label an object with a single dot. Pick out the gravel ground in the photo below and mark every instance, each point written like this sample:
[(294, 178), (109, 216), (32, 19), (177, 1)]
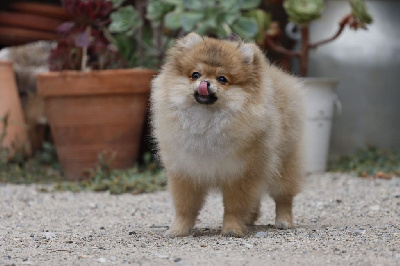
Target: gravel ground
[(339, 220)]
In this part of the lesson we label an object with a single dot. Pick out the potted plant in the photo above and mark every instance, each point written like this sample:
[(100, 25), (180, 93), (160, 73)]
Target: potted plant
[(213, 18), (93, 104), (320, 92)]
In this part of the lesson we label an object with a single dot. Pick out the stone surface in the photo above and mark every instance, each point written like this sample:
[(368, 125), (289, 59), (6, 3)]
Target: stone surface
[(336, 223)]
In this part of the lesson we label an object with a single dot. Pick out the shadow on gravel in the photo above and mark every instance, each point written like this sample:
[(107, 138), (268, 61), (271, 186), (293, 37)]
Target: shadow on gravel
[(212, 232)]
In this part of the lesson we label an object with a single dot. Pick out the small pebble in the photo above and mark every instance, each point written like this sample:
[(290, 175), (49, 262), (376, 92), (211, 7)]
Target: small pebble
[(92, 205), (261, 234), (132, 233), (374, 208), (162, 256), (102, 228), (102, 260), (49, 235)]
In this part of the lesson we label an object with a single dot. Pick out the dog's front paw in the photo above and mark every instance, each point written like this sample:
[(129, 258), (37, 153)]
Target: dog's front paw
[(178, 231), (283, 225), (232, 232)]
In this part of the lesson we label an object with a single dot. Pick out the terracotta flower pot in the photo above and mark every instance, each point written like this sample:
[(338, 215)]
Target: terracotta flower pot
[(47, 10), (94, 112), (15, 36), (28, 21), (16, 138)]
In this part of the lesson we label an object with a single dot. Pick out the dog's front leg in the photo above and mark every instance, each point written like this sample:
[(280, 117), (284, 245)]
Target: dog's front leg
[(188, 198)]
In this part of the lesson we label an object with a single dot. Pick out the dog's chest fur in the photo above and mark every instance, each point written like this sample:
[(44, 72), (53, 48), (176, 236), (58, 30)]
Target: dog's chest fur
[(204, 146)]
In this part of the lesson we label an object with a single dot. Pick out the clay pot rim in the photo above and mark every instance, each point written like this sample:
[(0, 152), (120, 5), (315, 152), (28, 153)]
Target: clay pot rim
[(96, 82), (43, 9), (80, 73), (6, 63)]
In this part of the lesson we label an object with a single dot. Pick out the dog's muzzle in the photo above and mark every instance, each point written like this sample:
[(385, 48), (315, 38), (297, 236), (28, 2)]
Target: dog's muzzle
[(204, 95)]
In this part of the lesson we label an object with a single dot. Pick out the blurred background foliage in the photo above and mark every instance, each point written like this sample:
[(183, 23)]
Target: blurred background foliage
[(143, 42), (369, 162)]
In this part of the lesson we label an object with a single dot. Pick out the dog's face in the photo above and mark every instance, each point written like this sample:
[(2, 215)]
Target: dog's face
[(205, 71)]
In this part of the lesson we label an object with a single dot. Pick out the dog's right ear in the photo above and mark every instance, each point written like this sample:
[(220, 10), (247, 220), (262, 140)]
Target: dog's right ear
[(247, 51), (189, 40)]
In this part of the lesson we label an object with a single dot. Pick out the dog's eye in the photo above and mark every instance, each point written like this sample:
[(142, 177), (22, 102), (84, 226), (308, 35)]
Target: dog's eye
[(222, 79), (196, 75)]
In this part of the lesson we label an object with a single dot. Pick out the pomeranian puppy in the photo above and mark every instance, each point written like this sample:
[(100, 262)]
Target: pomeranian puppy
[(224, 117)]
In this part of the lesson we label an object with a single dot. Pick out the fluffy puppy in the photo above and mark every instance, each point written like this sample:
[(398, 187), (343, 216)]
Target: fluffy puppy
[(224, 117)]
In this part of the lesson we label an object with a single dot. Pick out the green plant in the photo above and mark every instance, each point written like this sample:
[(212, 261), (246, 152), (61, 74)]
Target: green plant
[(369, 161), (4, 154), (139, 179), (104, 34), (44, 169), (214, 18), (303, 12), (133, 37)]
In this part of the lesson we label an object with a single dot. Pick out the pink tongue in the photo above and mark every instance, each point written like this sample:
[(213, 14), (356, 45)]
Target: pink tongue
[(203, 88)]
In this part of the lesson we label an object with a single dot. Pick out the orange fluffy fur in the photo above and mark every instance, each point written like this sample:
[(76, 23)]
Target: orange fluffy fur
[(247, 143)]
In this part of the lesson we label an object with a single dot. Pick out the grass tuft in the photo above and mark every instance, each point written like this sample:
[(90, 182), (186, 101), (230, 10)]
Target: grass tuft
[(45, 169), (369, 161)]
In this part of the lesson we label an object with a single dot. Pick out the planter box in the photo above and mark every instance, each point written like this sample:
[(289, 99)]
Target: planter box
[(94, 112)]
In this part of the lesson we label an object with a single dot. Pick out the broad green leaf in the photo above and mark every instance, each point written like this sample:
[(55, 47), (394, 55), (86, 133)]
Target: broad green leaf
[(202, 28), (231, 5), (197, 5), (245, 27), (190, 19), (172, 2), (224, 31), (156, 10), (360, 10), (212, 19), (117, 3), (230, 17), (250, 4), (303, 11), (124, 19), (173, 20), (263, 20)]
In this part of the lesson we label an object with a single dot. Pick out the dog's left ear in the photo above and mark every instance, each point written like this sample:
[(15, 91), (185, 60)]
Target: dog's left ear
[(247, 51), (189, 40)]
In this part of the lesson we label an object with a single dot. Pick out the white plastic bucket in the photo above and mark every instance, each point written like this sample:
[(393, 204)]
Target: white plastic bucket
[(320, 100)]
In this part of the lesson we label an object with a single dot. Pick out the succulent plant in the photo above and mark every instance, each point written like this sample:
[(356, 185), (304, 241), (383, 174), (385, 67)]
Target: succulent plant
[(100, 36), (124, 19), (214, 18), (360, 11), (303, 11), (84, 44), (263, 22)]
